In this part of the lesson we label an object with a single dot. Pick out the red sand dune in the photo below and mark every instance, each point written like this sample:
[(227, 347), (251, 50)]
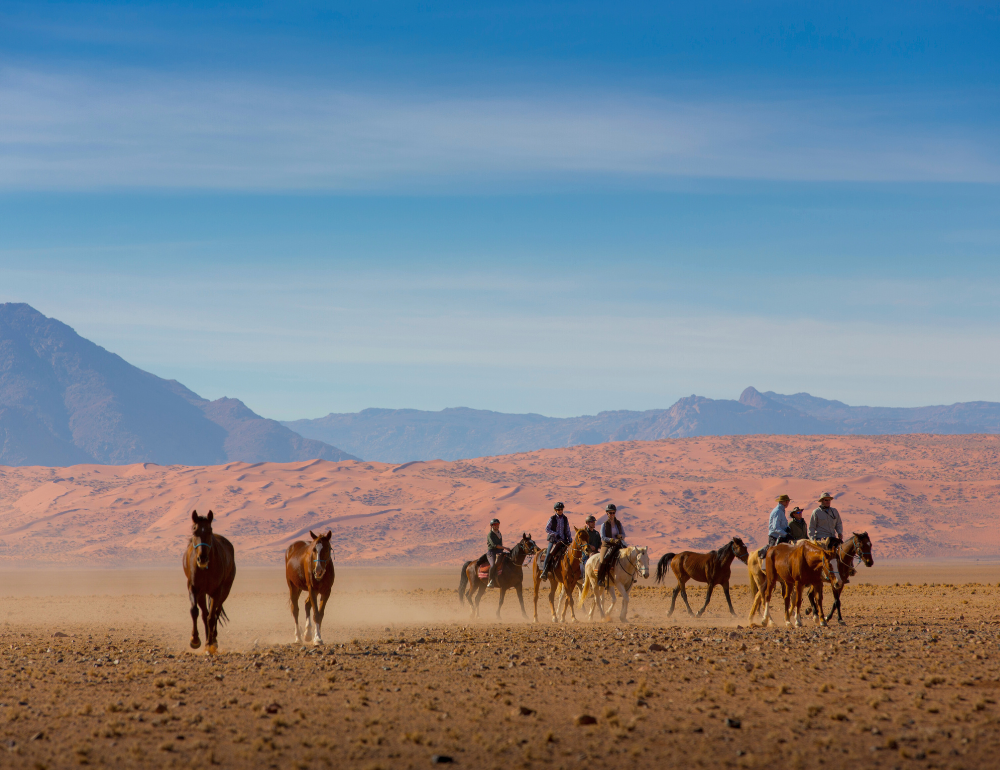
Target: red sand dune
[(915, 495)]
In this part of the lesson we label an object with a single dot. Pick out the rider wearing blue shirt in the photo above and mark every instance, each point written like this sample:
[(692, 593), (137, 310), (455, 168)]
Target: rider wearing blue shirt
[(777, 525)]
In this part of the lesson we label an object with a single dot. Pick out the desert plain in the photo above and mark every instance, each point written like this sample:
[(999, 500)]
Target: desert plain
[(94, 625)]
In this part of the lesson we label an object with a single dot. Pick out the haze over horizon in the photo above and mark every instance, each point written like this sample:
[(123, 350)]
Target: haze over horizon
[(528, 208)]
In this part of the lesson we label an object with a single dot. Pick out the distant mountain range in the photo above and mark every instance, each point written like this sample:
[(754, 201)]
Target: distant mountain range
[(404, 435), (65, 400)]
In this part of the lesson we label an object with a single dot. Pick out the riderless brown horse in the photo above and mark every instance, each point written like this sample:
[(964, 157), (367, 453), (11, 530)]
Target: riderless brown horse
[(858, 546), (210, 567), (565, 573), (713, 568), (796, 567), (309, 568), (510, 574)]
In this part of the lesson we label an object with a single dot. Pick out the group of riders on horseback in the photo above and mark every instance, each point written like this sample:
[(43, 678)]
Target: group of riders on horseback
[(802, 556)]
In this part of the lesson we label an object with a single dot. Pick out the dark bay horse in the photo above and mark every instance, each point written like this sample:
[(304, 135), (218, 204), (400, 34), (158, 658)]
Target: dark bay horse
[(565, 573), (309, 568), (796, 567), (511, 576), (210, 567), (858, 546), (713, 568)]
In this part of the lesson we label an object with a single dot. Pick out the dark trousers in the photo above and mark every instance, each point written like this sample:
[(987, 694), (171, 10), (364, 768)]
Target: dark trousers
[(772, 540), (552, 554)]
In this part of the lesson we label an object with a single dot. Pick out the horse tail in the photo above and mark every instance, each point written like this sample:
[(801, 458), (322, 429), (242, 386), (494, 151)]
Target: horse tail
[(663, 565), (462, 583), (754, 587), (771, 573), (223, 617)]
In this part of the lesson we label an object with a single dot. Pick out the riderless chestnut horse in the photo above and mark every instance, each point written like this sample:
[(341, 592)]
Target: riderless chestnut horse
[(858, 546), (309, 568), (796, 567), (713, 568), (210, 567), (510, 575), (565, 573)]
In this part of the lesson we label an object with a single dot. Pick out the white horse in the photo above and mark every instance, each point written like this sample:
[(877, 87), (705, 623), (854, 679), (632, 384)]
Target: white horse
[(633, 560)]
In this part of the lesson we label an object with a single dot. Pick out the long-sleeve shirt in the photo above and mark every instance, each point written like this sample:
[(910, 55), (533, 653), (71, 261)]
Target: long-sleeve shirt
[(610, 531), (558, 529), (797, 529), (593, 540), (494, 541), (777, 525), (825, 522)]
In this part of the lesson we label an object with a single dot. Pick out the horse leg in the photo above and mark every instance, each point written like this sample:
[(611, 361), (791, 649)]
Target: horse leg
[(798, 604), (293, 599), (787, 594), (708, 598), (310, 599), (729, 601), (479, 597), (569, 603), (614, 601), (625, 597), (503, 591), (552, 598), (820, 618), (684, 596), (319, 610), (520, 600), (537, 579), (195, 641), (836, 608), (203, 605), (212, 626)]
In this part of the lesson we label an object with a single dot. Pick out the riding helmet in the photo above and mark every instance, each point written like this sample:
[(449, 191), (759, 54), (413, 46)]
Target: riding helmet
[(494, 521), (590, 518), (558, 507), (612, 508)]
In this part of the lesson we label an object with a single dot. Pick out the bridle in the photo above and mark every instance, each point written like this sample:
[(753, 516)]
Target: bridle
[(202, 544), (634, 574), (859, 550), (318, 561)]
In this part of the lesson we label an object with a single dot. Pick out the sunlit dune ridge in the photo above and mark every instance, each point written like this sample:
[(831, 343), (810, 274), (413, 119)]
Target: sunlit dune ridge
[(915, 495)]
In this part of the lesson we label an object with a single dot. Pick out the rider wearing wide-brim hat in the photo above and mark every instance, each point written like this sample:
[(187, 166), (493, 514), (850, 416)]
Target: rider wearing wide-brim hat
[(494, 547), (797, 527), (559, 536), (825, 521), (777, 522)]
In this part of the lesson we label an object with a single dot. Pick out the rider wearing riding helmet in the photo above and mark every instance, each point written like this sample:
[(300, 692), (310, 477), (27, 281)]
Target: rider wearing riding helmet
[(559, 536), (494, 547), (612, 531), (593, 543)]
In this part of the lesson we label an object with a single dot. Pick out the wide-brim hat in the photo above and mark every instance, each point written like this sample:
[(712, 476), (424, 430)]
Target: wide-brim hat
[(783, 499), (795, 510), (825, 496)]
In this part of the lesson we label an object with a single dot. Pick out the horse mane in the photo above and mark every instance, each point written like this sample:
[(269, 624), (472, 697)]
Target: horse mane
[(720, 554)]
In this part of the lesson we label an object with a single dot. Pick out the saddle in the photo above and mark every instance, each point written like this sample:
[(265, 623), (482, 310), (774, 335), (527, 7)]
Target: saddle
[(607, 566), (483, 566)]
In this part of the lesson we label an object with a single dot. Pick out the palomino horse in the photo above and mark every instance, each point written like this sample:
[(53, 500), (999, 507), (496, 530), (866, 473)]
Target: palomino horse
[(797, 566), (511, 576), (565, 573), (309, 568), (632, 561), (713, 568), (858, 546), (210, 567)]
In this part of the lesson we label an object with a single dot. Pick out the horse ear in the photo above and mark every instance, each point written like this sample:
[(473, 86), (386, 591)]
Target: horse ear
[(210, 517), (328, 535), (194, 516), (313, 535)]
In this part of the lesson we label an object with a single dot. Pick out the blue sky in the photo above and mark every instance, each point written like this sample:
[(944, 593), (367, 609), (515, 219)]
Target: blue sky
[(558, 208)]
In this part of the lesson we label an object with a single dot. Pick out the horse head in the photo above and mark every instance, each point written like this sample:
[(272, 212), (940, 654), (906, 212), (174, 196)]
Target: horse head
[(831, 568), (740, 549), (529, 545), (863, 547), (202, 539), (320, 553), (643, 552)]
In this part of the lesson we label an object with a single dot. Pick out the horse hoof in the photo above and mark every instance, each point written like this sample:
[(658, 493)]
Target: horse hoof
[(842, 622), (195, 643), (212, 649), (317, 642)]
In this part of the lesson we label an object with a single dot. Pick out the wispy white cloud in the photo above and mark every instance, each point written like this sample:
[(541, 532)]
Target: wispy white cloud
[(127, 130)]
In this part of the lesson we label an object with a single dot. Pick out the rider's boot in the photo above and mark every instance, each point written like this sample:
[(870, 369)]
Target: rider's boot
[(493, 577), (545, 564)]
